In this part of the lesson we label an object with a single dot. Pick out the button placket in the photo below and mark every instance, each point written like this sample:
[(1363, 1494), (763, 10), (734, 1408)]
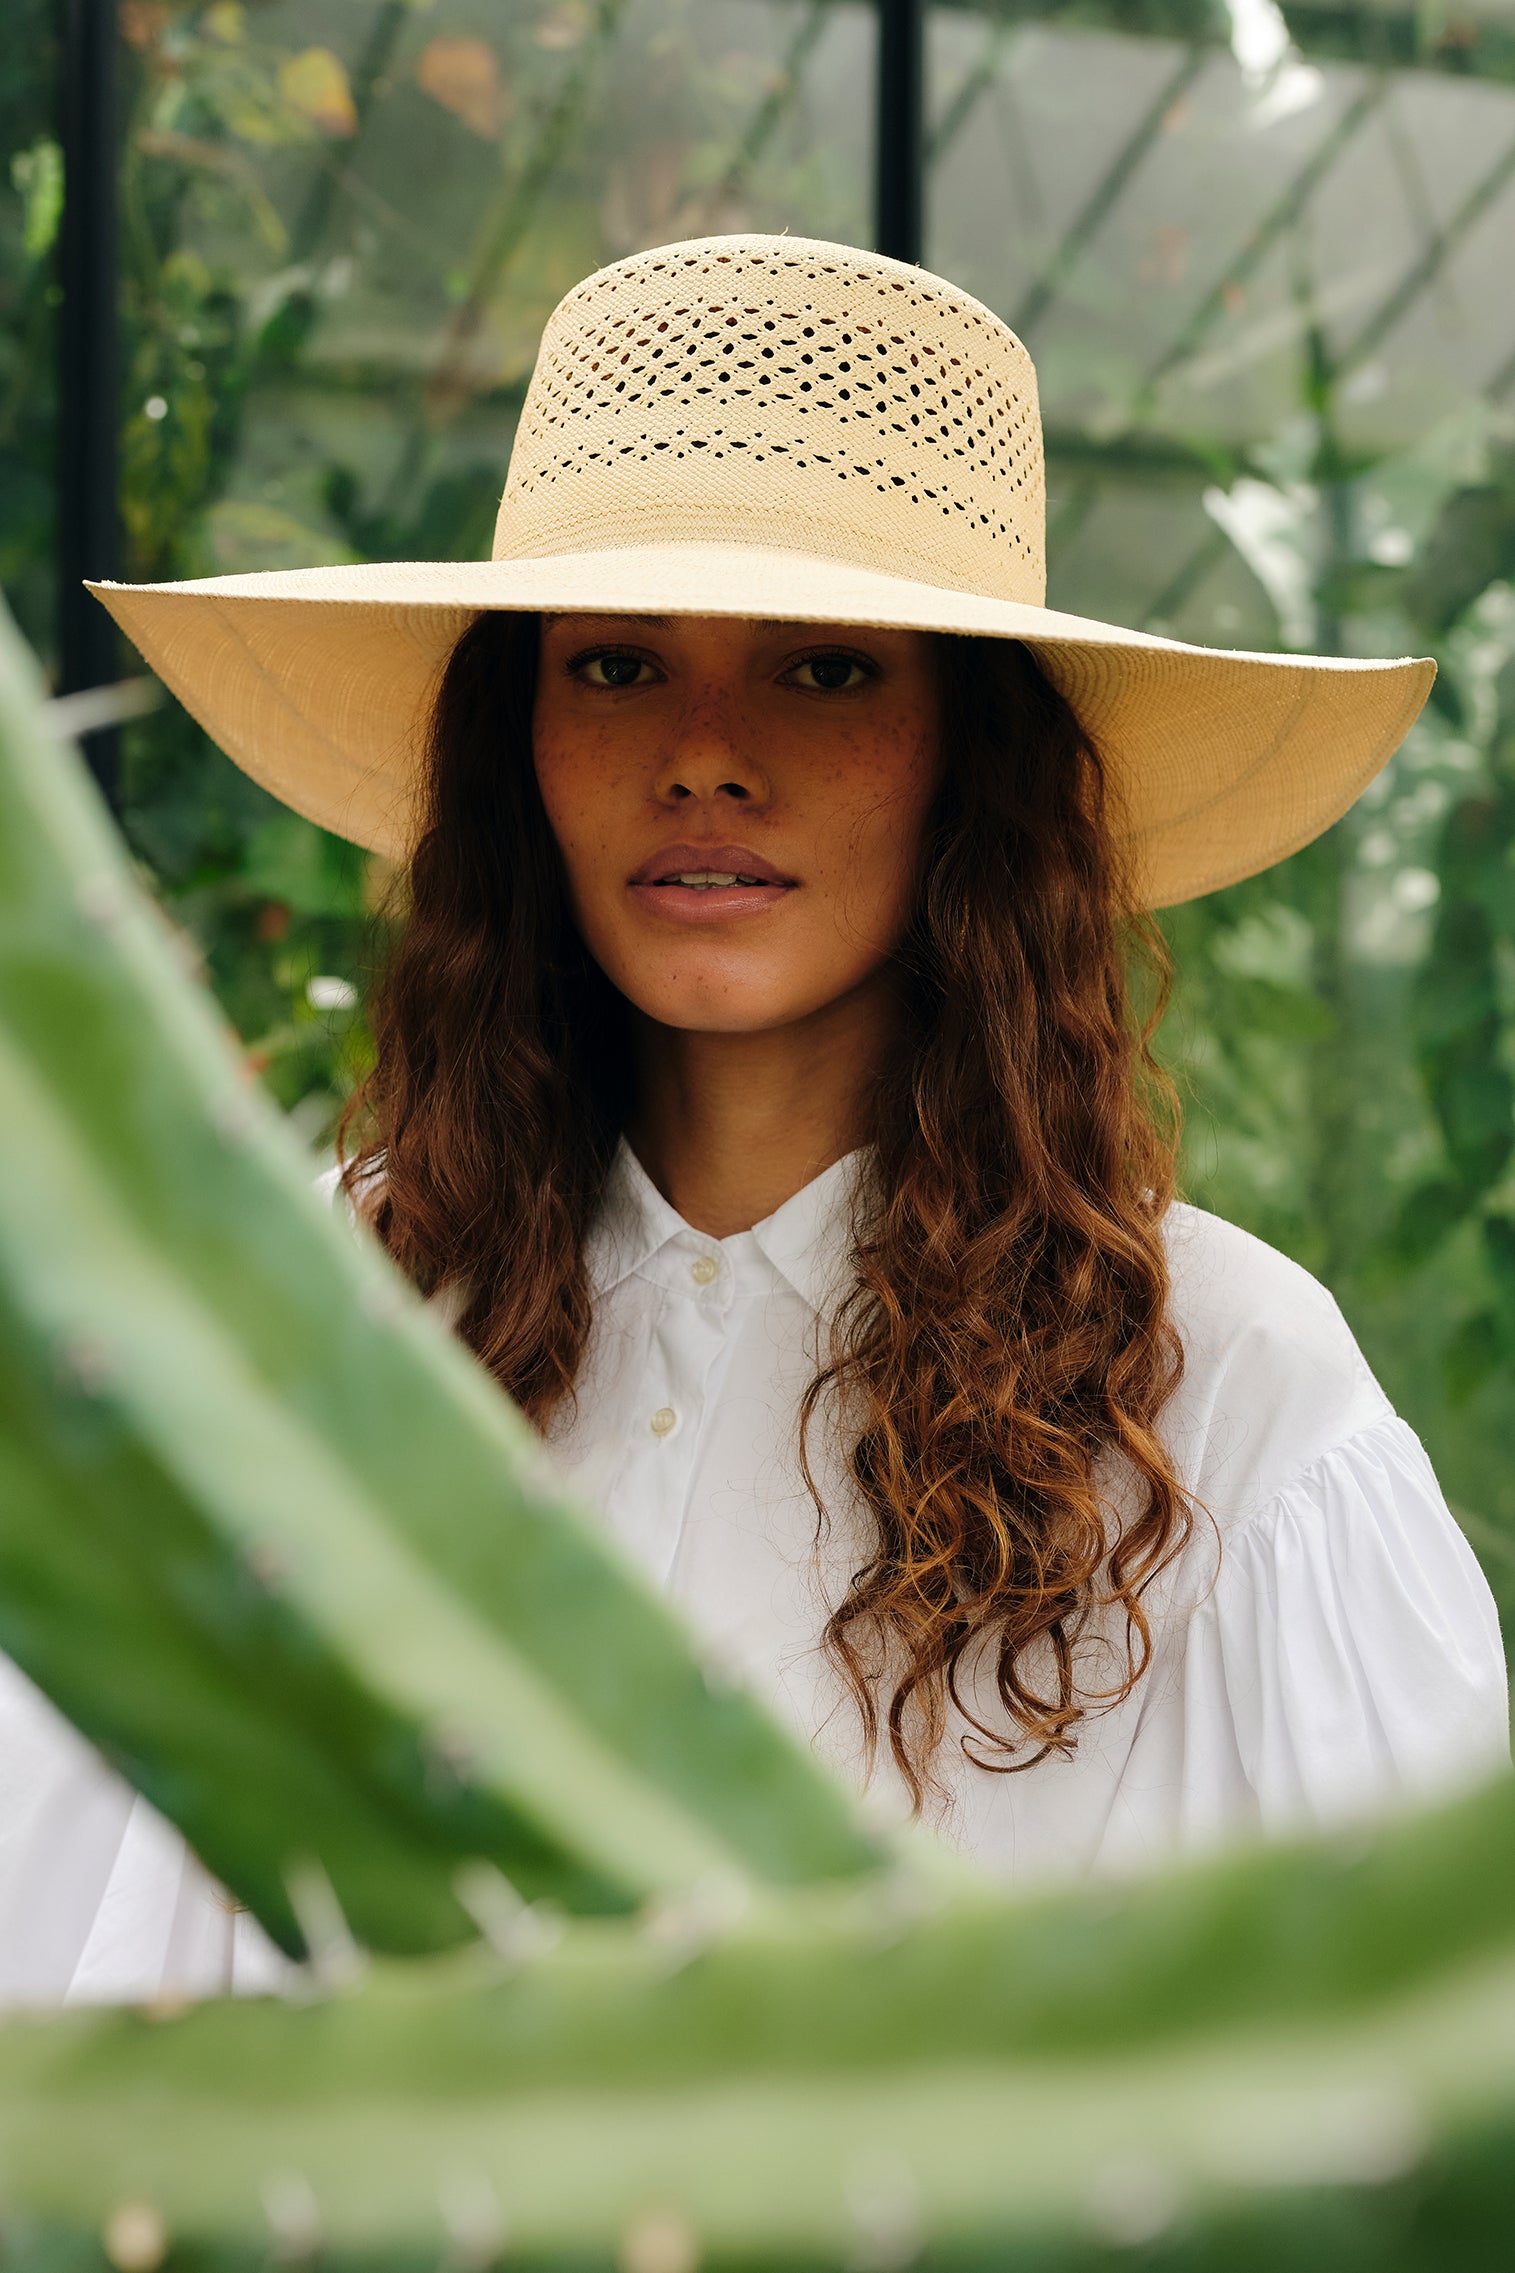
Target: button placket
[(693, 1330), (686, 1343)]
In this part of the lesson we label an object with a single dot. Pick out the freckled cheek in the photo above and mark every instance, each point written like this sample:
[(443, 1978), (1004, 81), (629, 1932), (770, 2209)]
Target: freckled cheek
[(586, 810), (871, 836)]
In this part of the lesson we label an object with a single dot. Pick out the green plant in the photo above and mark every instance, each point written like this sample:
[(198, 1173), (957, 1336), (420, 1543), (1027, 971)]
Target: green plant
[(1300, 2058), (321, 1564), (274, 1540)]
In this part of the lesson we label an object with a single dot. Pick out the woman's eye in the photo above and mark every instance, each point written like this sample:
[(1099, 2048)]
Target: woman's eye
[(609, 670), (830, 674)]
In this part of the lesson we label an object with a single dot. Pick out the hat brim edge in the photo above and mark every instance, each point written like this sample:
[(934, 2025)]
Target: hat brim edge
[(230, 647)]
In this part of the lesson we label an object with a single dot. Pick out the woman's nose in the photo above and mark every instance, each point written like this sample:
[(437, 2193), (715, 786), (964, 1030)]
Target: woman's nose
[(710, 755)]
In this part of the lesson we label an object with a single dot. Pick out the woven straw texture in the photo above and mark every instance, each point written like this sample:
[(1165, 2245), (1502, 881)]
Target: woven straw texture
[(769, 427), (839, 404)]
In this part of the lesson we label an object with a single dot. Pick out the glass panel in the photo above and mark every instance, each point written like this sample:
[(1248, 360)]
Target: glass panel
[(364, 215), (1266, 287)]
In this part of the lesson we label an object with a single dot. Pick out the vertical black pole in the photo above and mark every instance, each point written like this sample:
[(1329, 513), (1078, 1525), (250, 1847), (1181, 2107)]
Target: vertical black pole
[(900, 150), (88, 540)]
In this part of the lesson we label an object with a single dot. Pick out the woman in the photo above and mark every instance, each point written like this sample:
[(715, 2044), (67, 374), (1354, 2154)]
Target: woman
[(758, 1081)]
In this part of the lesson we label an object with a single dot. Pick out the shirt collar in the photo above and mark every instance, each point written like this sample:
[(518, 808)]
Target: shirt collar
[(807, 1240)]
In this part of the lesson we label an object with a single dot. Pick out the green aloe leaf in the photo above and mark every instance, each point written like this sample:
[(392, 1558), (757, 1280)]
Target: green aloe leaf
[(267, 1534), (1300, 2057)]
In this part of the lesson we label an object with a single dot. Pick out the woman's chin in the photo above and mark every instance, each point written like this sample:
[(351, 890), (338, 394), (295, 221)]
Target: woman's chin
[(721, 1009), (727, 1018)]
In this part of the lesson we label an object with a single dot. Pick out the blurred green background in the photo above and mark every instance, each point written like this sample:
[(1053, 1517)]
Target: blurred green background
[(1265, 259)]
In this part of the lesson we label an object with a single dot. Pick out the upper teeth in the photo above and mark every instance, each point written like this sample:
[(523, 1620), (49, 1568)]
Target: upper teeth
[(704, 877)]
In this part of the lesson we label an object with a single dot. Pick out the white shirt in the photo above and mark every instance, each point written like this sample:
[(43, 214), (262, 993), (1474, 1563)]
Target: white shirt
[(1325, 1648)]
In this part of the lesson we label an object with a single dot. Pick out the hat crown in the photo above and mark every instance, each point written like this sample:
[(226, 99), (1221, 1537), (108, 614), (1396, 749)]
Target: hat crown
[(781, 392)]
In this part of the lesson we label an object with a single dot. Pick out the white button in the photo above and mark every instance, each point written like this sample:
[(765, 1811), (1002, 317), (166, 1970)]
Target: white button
[(704, 1270), (663, 1420)]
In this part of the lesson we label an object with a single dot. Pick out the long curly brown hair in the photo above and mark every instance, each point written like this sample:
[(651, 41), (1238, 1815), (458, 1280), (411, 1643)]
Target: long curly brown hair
[(1005, 1348)]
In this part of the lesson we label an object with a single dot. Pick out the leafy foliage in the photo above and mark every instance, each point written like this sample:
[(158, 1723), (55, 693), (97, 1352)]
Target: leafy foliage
[(344, 225), (1346, 1022)]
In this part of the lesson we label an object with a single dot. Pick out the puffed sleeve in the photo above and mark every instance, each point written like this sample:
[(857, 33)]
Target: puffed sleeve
[(1348, 1656)]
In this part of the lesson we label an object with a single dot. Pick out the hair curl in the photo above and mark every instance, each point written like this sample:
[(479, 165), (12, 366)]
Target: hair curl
[(1006, 1332)]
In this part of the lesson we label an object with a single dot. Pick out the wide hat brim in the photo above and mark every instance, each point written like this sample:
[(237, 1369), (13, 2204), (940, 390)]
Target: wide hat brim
[(318, 683)]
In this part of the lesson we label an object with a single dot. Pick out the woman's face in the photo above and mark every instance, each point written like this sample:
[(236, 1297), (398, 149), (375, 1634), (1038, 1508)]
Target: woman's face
[(739, 805)]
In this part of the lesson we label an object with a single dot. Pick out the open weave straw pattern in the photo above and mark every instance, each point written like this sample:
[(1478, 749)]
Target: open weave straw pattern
[(860, 409)]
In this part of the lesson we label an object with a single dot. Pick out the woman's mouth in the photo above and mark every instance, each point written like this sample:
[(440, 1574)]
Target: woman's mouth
[(702, 884)]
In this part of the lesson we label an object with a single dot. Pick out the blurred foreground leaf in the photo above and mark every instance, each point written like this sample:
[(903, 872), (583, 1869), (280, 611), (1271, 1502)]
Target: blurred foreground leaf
[(1301, 2059), (267, 1534)]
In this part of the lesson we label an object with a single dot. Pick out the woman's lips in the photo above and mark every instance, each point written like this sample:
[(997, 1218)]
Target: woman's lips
[(708, 883)]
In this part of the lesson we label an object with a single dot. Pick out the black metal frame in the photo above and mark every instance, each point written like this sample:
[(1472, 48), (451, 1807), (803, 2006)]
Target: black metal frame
[(89, 380), (899, 178)]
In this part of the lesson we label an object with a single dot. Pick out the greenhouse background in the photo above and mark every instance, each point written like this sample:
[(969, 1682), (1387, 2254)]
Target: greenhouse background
[(1264, 260)]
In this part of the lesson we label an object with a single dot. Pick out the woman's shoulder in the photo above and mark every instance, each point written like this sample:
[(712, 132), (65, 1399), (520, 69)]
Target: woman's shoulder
[(1343, 1651), (1274, 1380), (1237, 1291)]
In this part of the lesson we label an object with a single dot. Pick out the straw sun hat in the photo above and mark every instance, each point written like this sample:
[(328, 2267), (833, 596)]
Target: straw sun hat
[(775, 428)]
